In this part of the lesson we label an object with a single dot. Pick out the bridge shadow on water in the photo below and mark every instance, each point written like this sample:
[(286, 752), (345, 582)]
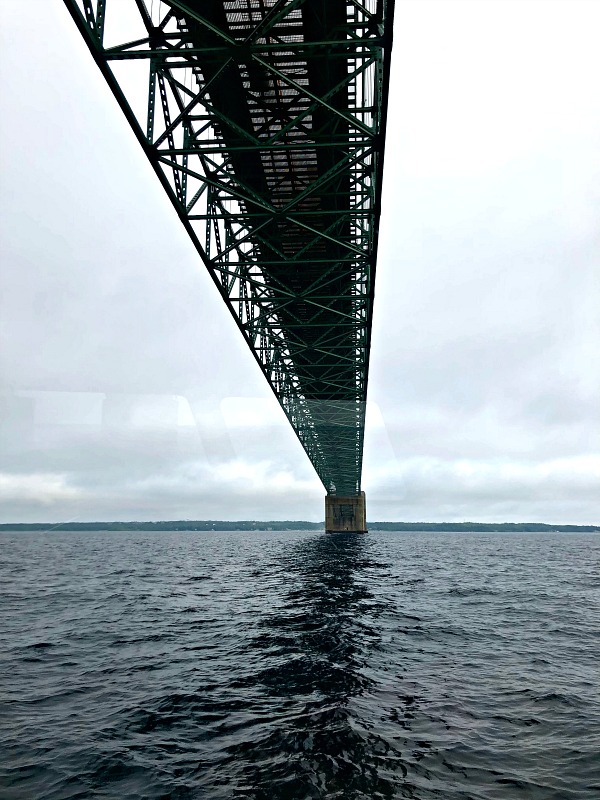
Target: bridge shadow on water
[(320, 742)]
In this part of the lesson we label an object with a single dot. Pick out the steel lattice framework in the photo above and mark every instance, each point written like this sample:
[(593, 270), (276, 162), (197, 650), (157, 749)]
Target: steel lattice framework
[(265, 122)]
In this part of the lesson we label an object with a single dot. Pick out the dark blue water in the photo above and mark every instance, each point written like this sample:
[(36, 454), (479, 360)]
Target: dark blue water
[(299, 665)]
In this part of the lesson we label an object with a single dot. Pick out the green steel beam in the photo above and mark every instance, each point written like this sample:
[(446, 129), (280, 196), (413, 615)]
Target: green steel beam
[(265, 123)]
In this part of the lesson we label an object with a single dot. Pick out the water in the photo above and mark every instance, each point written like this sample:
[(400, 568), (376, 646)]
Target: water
[(298, 665)]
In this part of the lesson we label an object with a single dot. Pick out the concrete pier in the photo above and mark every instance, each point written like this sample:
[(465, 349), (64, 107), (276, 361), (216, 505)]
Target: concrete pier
[(345, 514)]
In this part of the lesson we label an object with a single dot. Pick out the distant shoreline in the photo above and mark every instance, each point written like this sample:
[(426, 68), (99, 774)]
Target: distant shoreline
[(295, 525)]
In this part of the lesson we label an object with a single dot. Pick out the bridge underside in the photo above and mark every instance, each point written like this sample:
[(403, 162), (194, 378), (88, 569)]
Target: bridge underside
[(265, 122)]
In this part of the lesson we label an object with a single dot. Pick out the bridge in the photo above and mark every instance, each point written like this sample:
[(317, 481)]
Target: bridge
[(264, 120)]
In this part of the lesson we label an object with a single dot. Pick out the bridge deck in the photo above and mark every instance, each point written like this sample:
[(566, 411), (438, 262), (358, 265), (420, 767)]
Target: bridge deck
[(265, 120)]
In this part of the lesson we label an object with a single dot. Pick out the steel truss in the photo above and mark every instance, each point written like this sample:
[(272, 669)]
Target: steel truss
[(265, 122)]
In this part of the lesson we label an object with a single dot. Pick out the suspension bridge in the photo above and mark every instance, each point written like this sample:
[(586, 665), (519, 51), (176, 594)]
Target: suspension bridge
[(265, 120)]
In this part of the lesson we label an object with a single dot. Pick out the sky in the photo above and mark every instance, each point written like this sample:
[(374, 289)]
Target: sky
[(126, 391)]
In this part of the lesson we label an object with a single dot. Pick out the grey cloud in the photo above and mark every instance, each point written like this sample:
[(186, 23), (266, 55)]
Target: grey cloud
[(485, 332)]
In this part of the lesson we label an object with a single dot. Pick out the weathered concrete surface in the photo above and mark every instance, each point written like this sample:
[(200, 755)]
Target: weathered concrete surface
[(346, 514)]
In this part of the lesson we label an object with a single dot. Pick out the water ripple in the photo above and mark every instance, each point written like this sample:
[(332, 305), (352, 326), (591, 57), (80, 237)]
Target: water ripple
[(296, 665)]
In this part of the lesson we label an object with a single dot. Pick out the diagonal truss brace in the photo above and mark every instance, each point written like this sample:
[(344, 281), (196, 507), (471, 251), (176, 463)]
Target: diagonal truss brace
[(232, 224)]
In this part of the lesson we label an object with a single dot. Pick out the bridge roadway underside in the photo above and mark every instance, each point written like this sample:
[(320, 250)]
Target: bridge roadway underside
[(265, 121)]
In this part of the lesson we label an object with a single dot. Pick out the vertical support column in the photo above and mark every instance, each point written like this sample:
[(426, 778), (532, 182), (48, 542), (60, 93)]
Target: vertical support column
[(346, 514)]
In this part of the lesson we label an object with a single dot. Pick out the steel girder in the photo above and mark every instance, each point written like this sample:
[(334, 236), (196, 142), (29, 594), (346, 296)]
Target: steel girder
[(265, 122)]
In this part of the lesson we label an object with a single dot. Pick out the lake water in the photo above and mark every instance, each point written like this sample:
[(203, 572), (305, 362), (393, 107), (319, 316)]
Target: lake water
[(298, 665)]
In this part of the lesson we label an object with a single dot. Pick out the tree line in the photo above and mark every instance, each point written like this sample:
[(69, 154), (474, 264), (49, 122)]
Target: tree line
[(293, 525)]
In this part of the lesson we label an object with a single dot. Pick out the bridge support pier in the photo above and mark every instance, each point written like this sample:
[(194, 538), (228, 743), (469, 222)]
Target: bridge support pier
[(345, 514)]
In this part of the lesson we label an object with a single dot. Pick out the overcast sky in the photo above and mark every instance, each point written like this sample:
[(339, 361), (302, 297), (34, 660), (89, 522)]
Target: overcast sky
[(126, 391)]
